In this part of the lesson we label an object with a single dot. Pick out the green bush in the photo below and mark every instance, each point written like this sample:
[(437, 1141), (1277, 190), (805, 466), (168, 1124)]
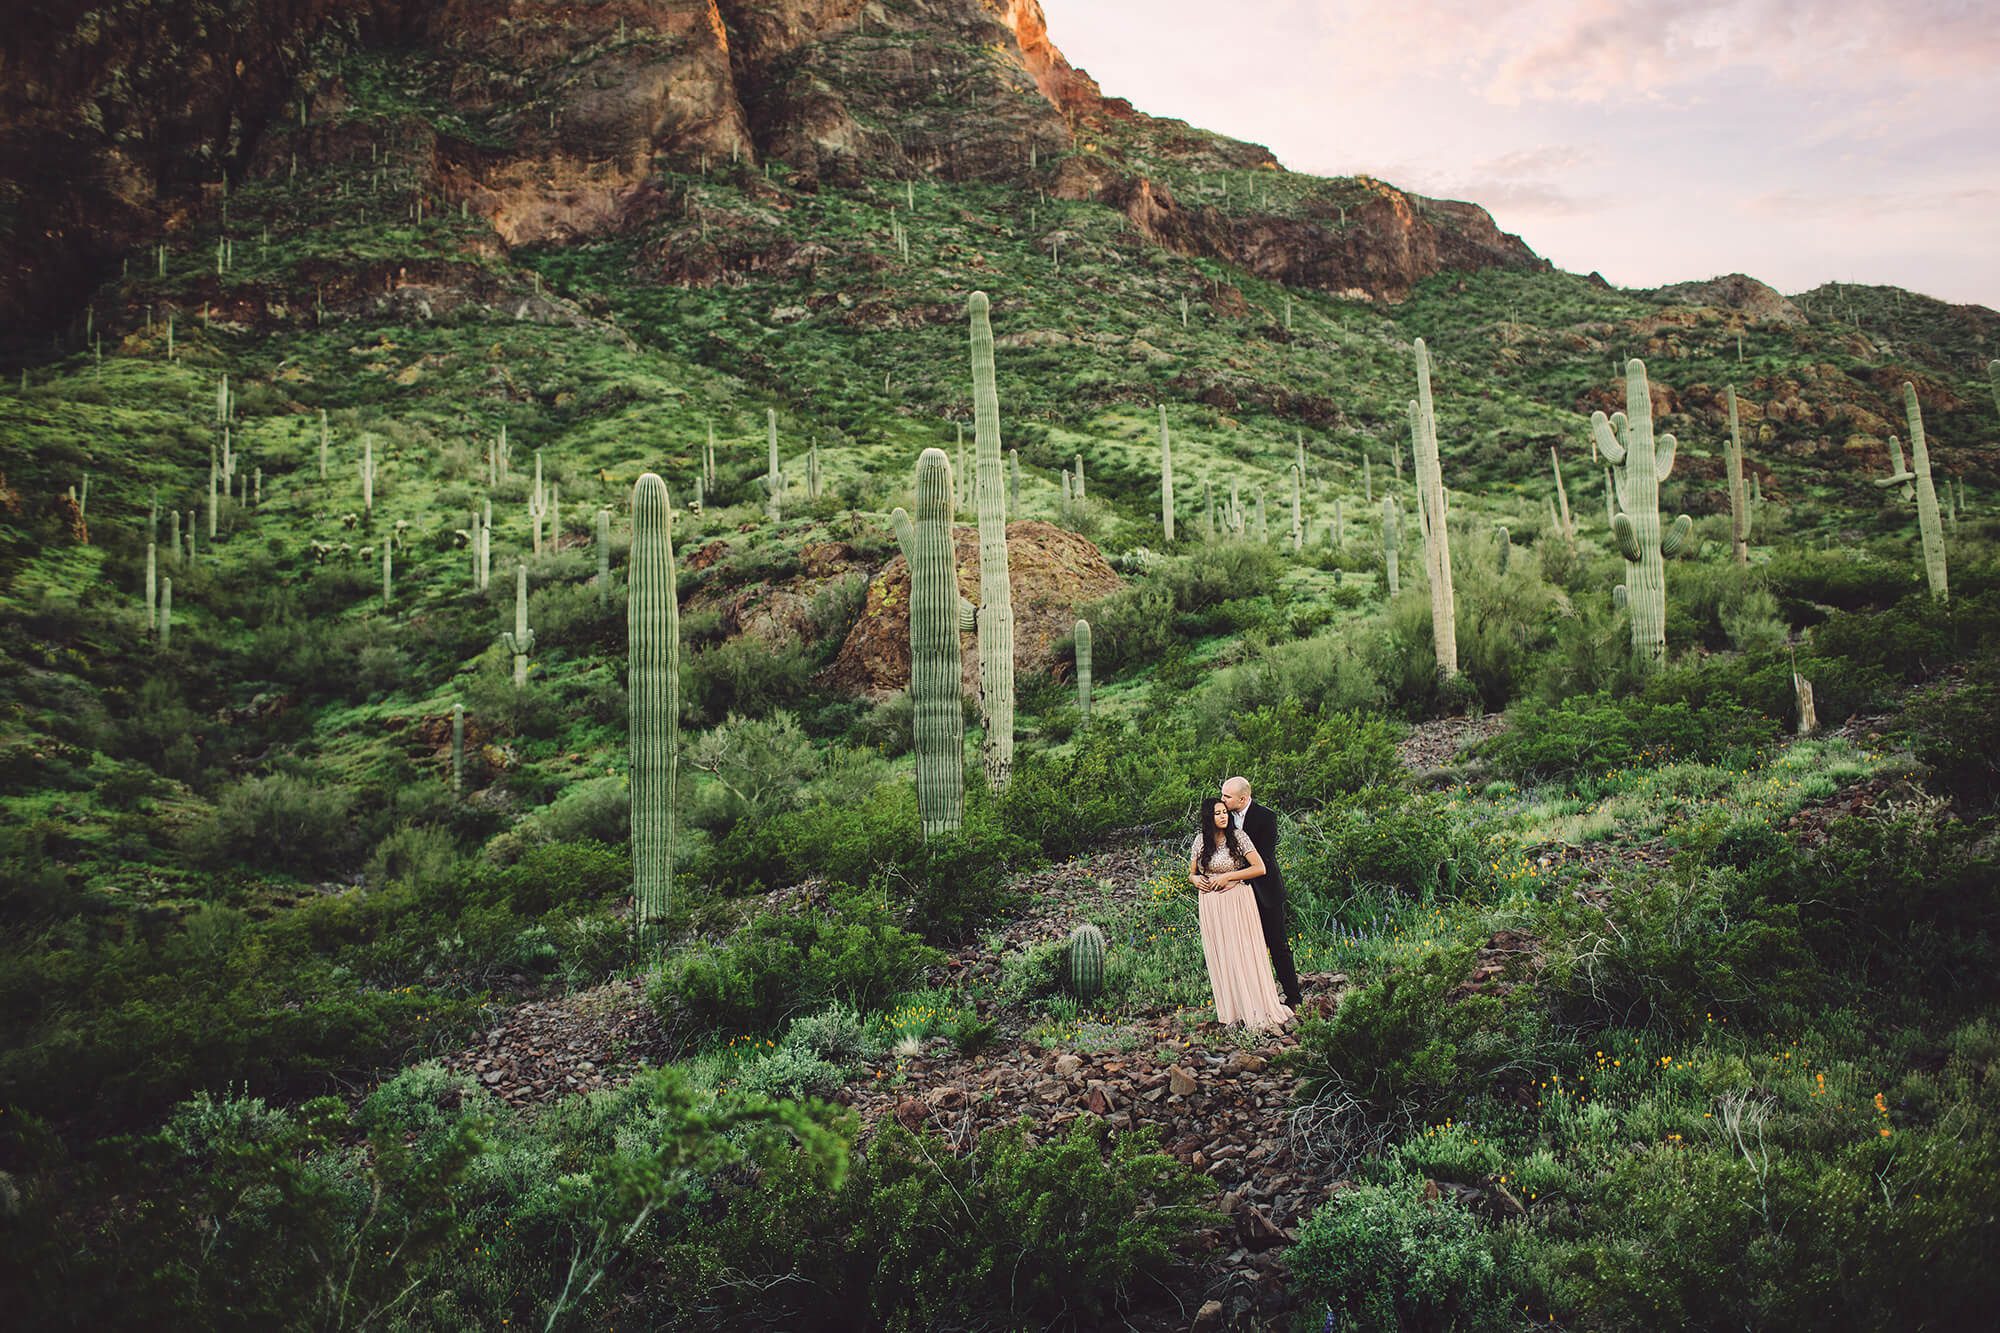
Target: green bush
[(1394, 1258), (780, 967), (287, 821), (1007, 1235), (1405, 1044), (1413, 847), (1599, 732)]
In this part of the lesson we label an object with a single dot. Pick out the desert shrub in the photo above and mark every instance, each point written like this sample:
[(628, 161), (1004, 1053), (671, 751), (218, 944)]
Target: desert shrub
[(886, 725), (1955, 731), (1592, 733), (1179, 598), (742, 675), (835, 1034), (1008, 1234), (778, 967), (1810, 580), (414, 853), (1405, 1044), (1413, 847), (792, 1073), (1110, 778), (288, 821), (1326, 673), (596, 810), (1310, 758), (758, 766), (1395, 1257), (1674, 949)]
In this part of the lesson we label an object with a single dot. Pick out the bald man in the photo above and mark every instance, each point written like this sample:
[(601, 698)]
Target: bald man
[(1260, 824)]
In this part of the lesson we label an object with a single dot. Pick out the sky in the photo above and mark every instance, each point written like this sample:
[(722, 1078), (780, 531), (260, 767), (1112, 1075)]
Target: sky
[(1801, 143)]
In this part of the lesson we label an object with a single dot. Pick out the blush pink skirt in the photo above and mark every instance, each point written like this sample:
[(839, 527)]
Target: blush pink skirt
[(1239, 966)]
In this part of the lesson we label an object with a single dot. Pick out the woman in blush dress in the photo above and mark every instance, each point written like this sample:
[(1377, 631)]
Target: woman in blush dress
[(1232, 935)]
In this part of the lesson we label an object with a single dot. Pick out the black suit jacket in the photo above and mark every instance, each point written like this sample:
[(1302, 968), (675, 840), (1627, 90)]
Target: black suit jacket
[(1260, 825)]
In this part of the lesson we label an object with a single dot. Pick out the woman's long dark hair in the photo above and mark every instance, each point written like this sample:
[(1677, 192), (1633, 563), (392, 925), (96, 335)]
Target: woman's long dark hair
[(1213, 837)]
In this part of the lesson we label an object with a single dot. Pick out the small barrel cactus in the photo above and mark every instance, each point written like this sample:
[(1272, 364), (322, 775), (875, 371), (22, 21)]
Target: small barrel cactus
[(1086, 962)]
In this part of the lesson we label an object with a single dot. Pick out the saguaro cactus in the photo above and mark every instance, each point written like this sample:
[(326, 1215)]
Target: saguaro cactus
[(604, 557), (173, 537), (1993, 378), (368, 473), (322, 444), (1166, 479), (166, 613), (152, 586), (1431, 512), (1568, 524), (996, 597), (652, 626), (937, 722), (1079, 478), (1014, 482), (774, 478), (1639, 464), (1915, 482), (1298, 509), (1082, 641), (1263, 523), (1739, 499), (388, 575), (1086, 961), (521, 640), (457, 751), (1208, 511), (1392, 538)]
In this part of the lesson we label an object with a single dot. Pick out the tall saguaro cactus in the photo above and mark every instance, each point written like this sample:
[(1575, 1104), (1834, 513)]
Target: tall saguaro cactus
[(166, 614), (152, 586), (1431, 514), (457, 751), (1993, 378), (1298, 509), (1568, 524), (1392, 538), (520, 640), (1082, 640), (388, 574), (604, 557), (652, 625), (1916, 483), (368, 473), (937, 722), (996, 596), (774, 479), (1639, 464), (1739, 499), (1166, 479)]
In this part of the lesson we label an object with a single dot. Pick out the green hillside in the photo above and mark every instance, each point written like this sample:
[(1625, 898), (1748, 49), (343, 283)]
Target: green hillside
[(1651, 1012)]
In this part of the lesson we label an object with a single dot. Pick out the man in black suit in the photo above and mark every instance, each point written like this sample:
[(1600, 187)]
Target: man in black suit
[(1260, 824)]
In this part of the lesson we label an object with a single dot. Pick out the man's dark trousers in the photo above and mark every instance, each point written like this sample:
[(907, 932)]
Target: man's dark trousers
[(1260, 825)]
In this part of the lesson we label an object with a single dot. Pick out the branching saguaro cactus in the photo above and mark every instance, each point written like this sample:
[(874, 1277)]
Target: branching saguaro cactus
[(1639, 464), (996, 596), (1431, 514), (1083, 680), (1166, 479), (937, 725), (652, 628), (1392, 537), (1739, 499), (1915, 482), (520, 641)]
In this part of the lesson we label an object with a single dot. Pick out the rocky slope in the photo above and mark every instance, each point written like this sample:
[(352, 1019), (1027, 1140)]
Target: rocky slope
[(551, 118)]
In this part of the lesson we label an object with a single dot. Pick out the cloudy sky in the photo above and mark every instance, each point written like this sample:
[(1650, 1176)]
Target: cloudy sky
[(1800, 142)]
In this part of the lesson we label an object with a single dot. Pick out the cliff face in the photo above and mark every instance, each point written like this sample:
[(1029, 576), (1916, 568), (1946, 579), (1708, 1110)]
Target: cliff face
[(554, 115)]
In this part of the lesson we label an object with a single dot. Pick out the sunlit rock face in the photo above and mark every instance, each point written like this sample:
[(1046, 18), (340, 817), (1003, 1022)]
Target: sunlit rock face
[(552, 120)]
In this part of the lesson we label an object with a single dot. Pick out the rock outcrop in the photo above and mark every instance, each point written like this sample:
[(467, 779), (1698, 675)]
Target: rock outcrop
[(1734, 291), (552, 118), (1050, 570)]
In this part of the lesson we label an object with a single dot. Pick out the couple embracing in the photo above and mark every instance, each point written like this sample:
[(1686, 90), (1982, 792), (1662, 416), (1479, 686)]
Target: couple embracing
[(1234, 866)]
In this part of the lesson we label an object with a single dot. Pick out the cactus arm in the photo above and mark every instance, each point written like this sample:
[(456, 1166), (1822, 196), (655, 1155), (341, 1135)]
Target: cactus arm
[(899, 520), (1606, 440), (1623, 532), (1677, 536), (968, 615), (1620, 598), (1663, 457)]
